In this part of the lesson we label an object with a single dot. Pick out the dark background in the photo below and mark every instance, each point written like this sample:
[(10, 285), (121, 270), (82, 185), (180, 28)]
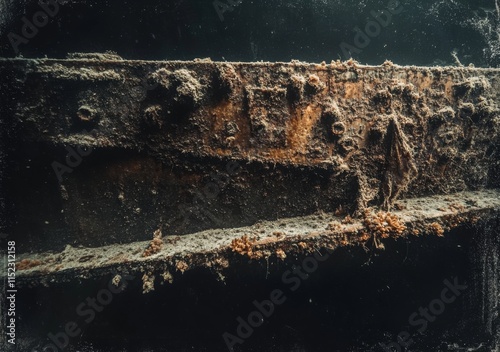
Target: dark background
[(424, 33)]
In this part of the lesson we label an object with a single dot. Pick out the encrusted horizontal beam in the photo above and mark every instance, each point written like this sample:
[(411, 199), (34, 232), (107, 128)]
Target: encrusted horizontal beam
[(125, 147), (278, 240)]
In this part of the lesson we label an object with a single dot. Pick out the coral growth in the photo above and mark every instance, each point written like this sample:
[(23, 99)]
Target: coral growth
[(245, 246), (184, 88), (314, 84), (436, 229), (155, 245), (280, 253), (227, 79), (148, 283), (383, 224), (182, 266)]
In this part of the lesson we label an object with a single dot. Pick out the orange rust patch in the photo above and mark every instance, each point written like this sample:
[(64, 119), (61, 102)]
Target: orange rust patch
[(26, 264), (353, 90), (301, 126)]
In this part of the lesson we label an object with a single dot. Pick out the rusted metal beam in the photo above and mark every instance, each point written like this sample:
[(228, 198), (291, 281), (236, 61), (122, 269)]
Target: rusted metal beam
[(127, 147), (269, 240)]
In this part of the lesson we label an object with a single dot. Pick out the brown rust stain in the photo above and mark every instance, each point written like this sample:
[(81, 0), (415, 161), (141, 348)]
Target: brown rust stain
[(229, 111), (301, 125), (424, 81), (353, 90), (448, 87)]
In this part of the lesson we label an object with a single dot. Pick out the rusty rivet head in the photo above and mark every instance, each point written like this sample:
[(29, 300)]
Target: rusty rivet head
[(338, 128), (86, 113)]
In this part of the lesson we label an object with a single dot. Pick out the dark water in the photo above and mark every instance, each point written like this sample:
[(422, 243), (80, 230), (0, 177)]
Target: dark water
[(417, 33)]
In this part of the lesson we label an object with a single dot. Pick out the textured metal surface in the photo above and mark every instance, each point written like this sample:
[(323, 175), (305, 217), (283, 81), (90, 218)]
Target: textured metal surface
[(188, 146)]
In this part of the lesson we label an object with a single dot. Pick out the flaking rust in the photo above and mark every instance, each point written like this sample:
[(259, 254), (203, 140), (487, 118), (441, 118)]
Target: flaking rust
[(305, 138)]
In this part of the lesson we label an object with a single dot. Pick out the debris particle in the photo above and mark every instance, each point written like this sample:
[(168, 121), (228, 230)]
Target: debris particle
[(182, 266), (116, 280), (148, 283), (436, 229), (280, 254), (167, 277)]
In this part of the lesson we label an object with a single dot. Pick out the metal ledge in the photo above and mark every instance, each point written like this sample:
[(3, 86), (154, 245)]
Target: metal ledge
[(218, 249)]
